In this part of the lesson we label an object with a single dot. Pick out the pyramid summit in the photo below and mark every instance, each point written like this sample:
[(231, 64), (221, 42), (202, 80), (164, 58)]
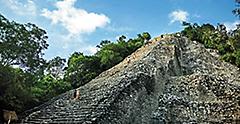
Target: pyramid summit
[(169, 80)]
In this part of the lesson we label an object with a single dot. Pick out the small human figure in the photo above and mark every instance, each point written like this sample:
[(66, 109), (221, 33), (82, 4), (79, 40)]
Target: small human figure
[(161, 36), (76, 94)]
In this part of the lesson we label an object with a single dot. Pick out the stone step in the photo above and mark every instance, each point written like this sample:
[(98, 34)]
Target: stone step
[(68, 119), (32, 122), (64, 119)]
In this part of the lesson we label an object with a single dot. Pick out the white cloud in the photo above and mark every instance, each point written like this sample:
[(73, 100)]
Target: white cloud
[(64, 45), (91, 50), (25, 7), (75, 20), (231, 25), (178, 16)]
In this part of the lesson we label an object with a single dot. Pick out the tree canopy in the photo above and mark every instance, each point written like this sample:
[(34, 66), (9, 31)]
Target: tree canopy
[(22, 79), (236, 11), (22, 45)]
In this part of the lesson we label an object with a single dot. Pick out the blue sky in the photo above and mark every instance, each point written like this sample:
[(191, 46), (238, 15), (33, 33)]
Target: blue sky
[(79, 25)]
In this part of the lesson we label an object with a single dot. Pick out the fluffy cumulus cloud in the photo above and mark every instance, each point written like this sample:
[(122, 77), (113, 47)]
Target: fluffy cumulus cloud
[(22, 7), (178, 16), (231, 25), (75, 20)]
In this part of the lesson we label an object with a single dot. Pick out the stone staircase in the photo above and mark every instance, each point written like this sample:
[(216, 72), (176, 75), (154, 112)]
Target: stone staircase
[(169, 80)]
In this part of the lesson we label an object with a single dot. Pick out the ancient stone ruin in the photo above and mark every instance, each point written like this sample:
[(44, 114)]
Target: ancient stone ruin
[(170, 80)]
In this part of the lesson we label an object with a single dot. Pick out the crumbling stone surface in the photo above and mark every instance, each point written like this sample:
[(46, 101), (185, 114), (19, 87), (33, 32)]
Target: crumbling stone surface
[(170, 80)]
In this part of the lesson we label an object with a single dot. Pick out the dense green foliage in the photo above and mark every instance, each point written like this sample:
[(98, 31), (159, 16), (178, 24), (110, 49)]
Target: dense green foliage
[(14, 90), (23, 83), (22, 45), (81, 69)]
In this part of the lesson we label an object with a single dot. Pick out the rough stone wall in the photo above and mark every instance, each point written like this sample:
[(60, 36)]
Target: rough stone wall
[(171, 80), (199, 88)]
